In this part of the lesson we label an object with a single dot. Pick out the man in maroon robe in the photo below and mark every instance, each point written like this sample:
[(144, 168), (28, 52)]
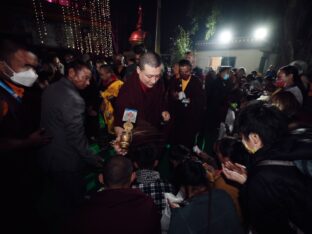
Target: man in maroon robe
[(187, 99), (144, 94)]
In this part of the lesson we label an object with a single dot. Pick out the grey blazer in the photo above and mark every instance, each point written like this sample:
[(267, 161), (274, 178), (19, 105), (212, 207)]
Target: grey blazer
[(62, 116)]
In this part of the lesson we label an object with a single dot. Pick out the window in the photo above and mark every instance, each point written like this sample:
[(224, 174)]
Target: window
[(228, 61)]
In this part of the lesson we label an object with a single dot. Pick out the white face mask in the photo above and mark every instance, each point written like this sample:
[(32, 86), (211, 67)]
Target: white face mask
[(25, 78)]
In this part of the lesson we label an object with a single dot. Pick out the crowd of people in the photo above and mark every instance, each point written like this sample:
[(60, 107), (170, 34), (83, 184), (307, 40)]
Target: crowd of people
[(216, 152)]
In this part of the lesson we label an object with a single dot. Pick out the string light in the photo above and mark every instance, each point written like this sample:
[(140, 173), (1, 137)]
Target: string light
[(99, 38), (38, 22), (100, 21), (75, 34), (65, 27), (90, 42), (91, 34), (93, 30), (71, 40), (43, 19), (79, 30), (104, 30), (86, 42), (108, 37), (97, 35)]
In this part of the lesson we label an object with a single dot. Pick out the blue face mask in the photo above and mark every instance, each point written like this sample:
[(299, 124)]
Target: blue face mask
[(226, 77)]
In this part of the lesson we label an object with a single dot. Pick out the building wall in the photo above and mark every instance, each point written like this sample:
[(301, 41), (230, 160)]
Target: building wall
[(271, 61), (247, 58)]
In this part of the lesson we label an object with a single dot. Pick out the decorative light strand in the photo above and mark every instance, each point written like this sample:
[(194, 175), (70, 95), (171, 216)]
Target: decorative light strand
[(90, 42), (96, 39), (105, 30), (70, 28), (109, 29), (79, 30), (65, 27), (100, 28), (84, 33), (73, 15), (104, 34), (38, 22), (93, 33), (110, 38), (100, 25), (86, 42), (43, 19)]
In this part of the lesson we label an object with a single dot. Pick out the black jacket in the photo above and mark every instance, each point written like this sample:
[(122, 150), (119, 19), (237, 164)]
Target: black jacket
[(188, 117), (275, 197), (217, 94)]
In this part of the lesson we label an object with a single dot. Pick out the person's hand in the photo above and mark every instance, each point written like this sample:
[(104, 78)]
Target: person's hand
[(38, 138), (235, 172), (239, 168), (166, 116), (208, 167), (181, 95), (173, 205), (117, 148)]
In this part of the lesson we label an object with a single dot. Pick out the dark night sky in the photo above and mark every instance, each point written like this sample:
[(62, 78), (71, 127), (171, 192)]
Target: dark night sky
[(241, 15), (124, 17)]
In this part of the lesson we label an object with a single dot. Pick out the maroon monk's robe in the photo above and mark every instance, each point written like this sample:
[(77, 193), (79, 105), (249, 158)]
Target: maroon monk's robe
[(187, 118), (115, 211), (149, 102)]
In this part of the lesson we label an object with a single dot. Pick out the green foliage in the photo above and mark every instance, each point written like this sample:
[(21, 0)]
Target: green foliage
[(203, 16), (194, 25), (211, 23), (200, 23), (181, 43)]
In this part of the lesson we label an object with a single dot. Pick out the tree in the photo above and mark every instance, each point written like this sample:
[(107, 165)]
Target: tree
[(181, 43), (211, 23), (295, 42), (204, 19)]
